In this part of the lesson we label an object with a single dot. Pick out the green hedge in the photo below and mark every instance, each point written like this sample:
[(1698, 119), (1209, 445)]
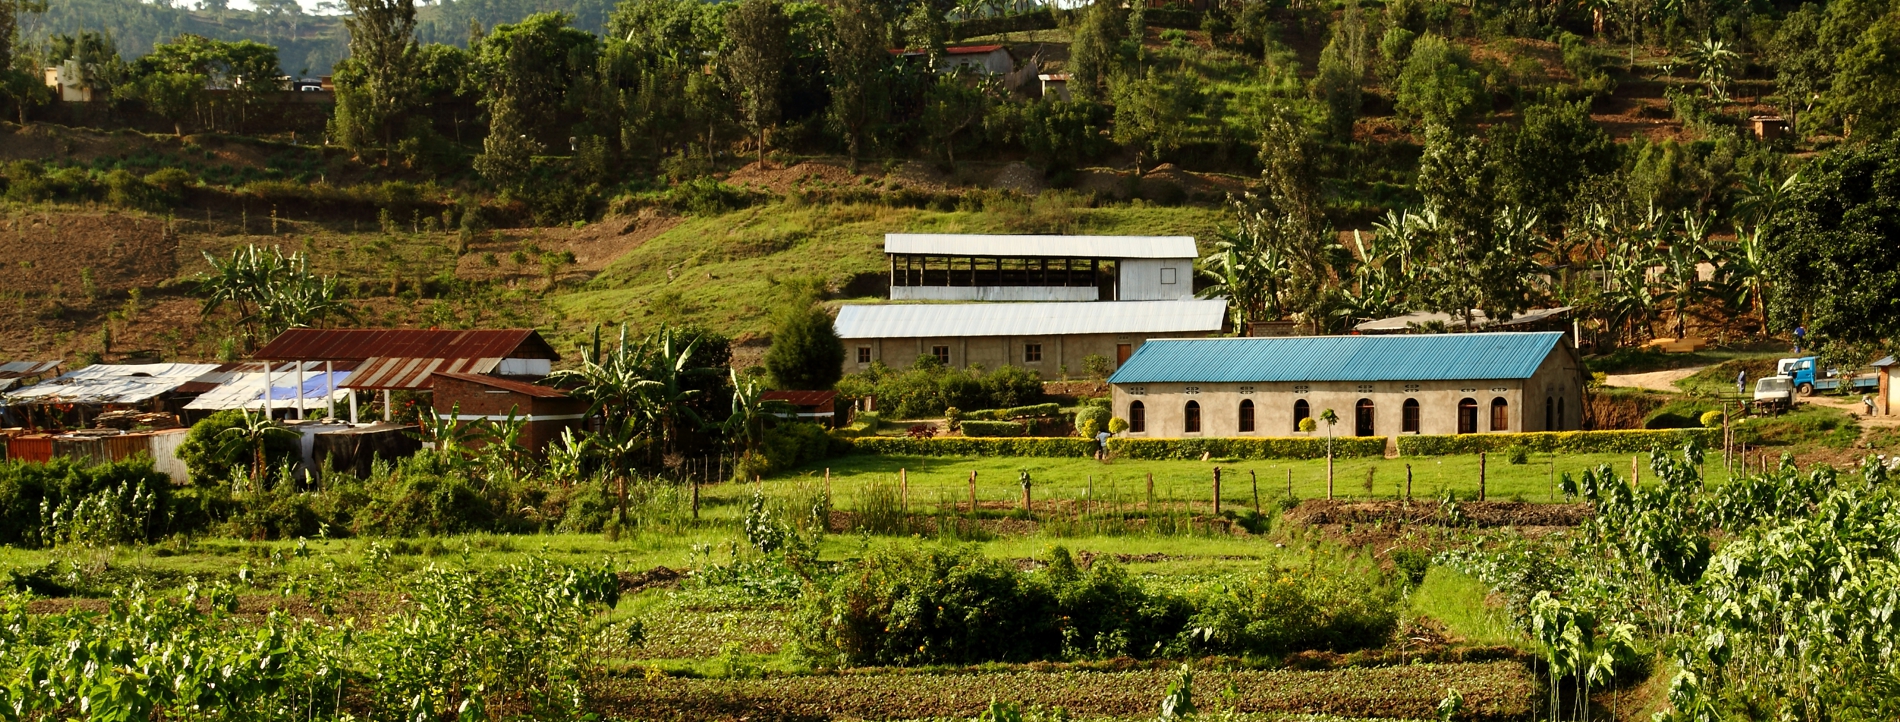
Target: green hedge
[(1019, 412), (1570, 442), (955, 446), (1247, 448), (994, 428), (1267, 448)]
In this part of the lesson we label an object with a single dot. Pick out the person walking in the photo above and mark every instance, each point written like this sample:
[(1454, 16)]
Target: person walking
[(1867, 400), (1800, 335), (1741, 382)]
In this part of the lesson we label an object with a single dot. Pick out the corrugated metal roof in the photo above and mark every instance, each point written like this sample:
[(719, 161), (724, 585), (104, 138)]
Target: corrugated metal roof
[(940, 320), (802, 398), (110, 384), (1420, 357), (967, 244), (398, 372), (246, 391), (496, 382), (17, 369), (357, 344)]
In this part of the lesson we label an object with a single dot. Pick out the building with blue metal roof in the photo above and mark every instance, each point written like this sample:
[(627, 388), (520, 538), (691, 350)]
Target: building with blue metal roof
[(1376, 385)]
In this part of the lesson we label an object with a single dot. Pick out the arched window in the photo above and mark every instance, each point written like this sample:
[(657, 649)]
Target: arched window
[(1560, 414), (1408, 420), (1246, 416), (1137, 418), (1301, 412), (1191, 418), (1468, 416), (1550, 414), (1500, 414), (1362, 418)]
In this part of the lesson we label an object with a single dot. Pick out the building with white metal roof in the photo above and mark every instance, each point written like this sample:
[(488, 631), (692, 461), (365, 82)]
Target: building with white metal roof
[(110, 384), (972, 267), (1047, 337)]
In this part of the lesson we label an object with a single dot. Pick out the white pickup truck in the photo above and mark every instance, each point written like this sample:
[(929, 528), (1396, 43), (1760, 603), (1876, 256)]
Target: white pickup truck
[(1774, 394)]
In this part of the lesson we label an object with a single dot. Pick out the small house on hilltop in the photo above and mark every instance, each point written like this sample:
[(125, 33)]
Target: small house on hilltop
[(1377, 385)]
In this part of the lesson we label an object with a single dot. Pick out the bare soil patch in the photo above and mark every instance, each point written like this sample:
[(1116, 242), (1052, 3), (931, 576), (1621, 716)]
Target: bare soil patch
[(807, 174), (595, 247)]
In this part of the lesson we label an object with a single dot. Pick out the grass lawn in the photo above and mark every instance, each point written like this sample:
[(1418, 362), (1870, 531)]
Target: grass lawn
[(945, 480)]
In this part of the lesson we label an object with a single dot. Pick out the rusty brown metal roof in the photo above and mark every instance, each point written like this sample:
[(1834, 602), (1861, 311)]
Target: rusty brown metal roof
[(359, 344), (406, 372), (496, 382), (802, 398)]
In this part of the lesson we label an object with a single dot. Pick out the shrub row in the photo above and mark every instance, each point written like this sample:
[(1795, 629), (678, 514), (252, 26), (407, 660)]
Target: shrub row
[(1295, 447), (1019, 412), (1569, 442), (953, 446), (994, 428), (953, 605), (1241, 448)]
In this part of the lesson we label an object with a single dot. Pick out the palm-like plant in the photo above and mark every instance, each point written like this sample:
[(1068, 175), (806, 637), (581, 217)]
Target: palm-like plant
[(255, 432), (567, 456), (503, 443), (1682, 274), (447, 434), (271, 291), (1714, 61)]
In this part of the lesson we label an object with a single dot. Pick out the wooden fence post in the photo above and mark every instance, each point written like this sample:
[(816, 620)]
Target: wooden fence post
[(1408, 482), (972, 491), (1255, 476), (1216, 491), (1481, 460)]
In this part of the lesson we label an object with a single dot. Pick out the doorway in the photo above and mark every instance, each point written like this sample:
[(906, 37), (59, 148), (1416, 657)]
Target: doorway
[(1122, 352), (1362, 418)]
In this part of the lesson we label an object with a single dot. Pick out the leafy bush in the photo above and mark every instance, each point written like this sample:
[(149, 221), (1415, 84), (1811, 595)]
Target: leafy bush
[(927, 388), (1019, 412), (957, 606), (708, 197), (1712, 419), (790, 444), (994, 428), (1560, 442), (210, 454), (1293, 609), (68, 501), (964, 446), (1091, 420)]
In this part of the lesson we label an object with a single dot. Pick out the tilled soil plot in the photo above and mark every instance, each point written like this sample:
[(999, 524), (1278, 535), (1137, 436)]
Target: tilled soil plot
[(1319, 512), (1492, 691)]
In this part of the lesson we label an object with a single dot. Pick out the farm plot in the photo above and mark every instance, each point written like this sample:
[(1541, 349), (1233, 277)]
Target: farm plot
[(1492, 691)]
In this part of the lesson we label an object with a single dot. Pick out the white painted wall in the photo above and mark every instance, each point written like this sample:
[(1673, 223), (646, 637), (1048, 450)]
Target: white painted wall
[(1156, 279)]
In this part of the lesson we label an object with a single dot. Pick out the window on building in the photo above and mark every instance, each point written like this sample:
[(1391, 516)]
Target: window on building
[(1301, 412), (1500, 414), (1167, 276), (1468, 416), (864, 354), (1191, 418), (1408, 418), (1550, 414), (1362, 418), (1032, 353), (942, 353), (1561, 419), (1246, 416), (1137, 417)]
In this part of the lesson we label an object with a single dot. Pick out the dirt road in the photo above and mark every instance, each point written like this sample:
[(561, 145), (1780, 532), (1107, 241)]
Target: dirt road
[(1654, 380)]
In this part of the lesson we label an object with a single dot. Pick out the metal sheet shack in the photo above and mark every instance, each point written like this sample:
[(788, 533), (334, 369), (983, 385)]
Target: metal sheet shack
[(407, 359), (1045, 337), (1378, 385), (967, 267), (473, 397)]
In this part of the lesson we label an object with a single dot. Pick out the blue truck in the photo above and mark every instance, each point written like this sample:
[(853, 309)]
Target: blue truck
[(1801, 372)]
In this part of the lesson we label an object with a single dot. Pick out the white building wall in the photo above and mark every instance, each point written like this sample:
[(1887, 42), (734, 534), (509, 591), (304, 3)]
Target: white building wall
[(1155, 279)]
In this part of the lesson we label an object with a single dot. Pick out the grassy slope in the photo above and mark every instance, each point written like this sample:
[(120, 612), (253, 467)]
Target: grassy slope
[(721, 270)]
